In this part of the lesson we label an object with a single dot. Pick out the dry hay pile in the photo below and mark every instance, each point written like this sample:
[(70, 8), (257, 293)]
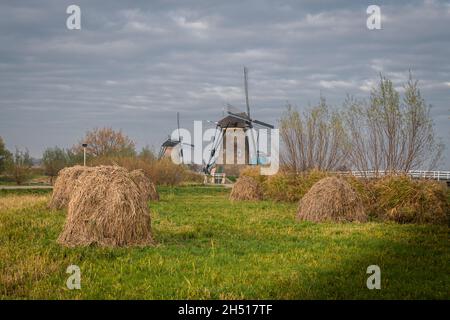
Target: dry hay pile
[(331, 199), (246, 188), (64, 184), (145, 185), (107, 209)]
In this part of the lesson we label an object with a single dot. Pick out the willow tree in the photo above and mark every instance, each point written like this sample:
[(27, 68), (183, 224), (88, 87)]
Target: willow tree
[(390, 133), (313, 139)]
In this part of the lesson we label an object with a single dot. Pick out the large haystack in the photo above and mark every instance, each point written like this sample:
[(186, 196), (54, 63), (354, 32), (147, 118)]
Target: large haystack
[(331, 199), (107, 209), (246, 188), (64, 184), (145, 185)]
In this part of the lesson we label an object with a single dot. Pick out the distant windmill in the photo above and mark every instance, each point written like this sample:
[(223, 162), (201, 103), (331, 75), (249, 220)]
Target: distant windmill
[(171, 145), (235, 122)]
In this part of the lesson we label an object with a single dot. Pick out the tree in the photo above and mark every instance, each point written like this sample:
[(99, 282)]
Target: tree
[(147, 154), (315, 139), (421, 145), (389, 133), (5, 156), (54, 159), (19, 166), (106, 142)]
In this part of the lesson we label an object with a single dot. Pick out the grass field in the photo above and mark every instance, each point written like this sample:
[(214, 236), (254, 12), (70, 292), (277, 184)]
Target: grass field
[(210, 248)]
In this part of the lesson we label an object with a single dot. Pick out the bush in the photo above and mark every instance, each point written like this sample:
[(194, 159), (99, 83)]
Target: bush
[(286, 186), (395, 198), (363, 188), (19, 166), (161, 172), (404, 200), (54, 160), (253, 172)]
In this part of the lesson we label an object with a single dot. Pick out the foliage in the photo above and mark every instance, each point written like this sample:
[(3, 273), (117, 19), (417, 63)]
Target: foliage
[(5, 156), (314, 139), (287, 186), (106, 142), (19, 166), (54, 159), (403, 200), (161, 172), (390, 134), (147, 154)]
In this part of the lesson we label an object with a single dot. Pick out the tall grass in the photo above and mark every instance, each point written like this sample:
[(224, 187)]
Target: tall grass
[(286, 186), (395, 198), (404, 200)]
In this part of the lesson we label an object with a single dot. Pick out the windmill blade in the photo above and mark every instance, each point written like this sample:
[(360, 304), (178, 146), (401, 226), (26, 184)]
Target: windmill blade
[(246, 91), (233, 109), (178, 126), (187, 144), (179, 137), (251, 121), (263, 124), (161, 152)]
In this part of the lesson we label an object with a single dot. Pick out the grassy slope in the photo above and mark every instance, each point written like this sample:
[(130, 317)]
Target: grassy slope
[(211, 248)]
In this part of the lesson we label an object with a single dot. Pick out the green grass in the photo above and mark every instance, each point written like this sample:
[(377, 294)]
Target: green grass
[(209, 248)]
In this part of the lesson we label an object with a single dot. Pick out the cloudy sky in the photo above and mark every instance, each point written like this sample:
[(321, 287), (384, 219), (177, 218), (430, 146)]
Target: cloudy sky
[(134, 64)]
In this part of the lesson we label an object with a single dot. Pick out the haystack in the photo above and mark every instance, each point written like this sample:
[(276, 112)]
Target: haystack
[(107, 209), (246, 188), (64, 184), (331, 199), (145, 185)]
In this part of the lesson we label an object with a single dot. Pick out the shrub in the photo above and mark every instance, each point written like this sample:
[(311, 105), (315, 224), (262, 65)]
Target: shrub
[(253, 172), (161, 172), (286, 186), (54, 160), (19, 166), (404, 200)]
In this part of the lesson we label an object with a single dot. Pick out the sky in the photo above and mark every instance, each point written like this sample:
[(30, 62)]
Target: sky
[(134, 64)]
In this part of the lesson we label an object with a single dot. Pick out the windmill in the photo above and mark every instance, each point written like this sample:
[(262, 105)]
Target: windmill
[(240, 122), (170, 145)]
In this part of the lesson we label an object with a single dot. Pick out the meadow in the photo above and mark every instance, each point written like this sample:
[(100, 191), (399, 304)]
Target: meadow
[(211, 248)]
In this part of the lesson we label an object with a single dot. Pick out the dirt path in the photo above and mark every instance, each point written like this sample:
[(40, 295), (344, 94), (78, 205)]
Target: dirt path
[(24, 187)]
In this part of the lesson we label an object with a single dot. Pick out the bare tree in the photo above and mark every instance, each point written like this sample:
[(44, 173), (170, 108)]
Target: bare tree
[(421, 145), (315, 139), (390, 134)]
